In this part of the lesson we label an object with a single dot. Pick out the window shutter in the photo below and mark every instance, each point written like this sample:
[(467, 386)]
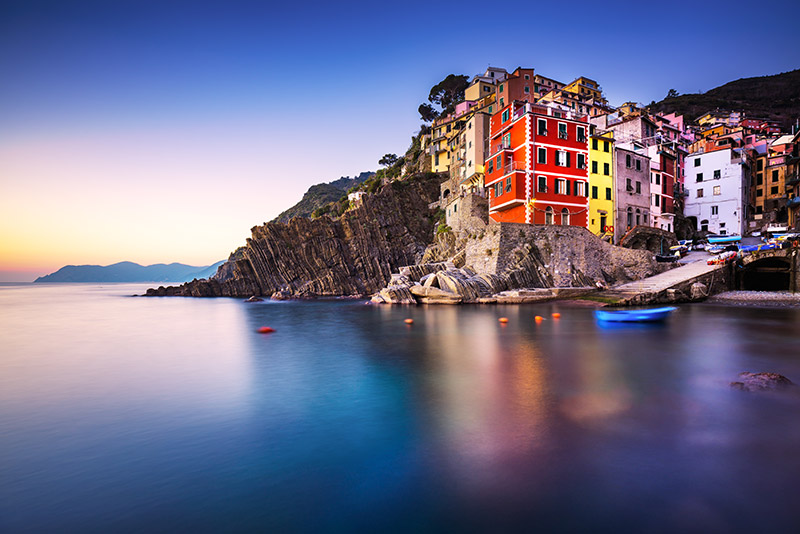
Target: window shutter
[(568, 154)]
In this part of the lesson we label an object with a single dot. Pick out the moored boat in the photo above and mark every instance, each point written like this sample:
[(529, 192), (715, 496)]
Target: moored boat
[(724, 238), (635, 316)]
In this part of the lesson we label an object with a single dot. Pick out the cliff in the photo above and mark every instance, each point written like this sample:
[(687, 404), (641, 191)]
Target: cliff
[(319, 195), (352, 255)]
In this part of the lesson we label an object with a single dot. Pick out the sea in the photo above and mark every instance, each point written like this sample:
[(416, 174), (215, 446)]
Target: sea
[(121, 413)]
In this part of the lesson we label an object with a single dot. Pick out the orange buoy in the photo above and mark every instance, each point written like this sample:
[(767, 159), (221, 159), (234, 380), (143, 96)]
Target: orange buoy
[(538, 318), (503, 320), (265, 330), (556, 316), (409, 321)]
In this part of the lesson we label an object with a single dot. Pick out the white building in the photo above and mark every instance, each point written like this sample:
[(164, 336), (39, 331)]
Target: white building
[(715, 183)]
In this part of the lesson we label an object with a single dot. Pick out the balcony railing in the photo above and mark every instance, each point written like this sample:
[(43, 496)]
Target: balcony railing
[(514, 166)]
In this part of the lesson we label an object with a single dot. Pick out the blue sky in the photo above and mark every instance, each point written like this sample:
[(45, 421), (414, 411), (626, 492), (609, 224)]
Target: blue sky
[(147, 117)]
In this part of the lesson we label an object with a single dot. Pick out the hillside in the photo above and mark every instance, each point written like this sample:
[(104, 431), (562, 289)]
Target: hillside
[(127, 271), (320, 195), (774, 97)]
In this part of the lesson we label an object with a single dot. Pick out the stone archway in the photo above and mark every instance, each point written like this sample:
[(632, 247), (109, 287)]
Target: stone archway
[(767, 274)]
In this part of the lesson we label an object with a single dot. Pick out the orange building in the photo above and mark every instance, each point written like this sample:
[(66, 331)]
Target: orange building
[(537, 170)]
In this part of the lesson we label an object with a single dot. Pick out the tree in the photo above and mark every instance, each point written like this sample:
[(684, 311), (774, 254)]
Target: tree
[(449, 92), (672, 93), (427, 112), (388, 160)]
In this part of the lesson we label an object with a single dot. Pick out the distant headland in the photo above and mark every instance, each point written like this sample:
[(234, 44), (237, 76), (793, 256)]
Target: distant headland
[(130, 272)]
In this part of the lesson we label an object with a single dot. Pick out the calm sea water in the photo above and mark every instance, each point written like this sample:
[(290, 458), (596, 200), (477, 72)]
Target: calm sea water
[(121, 414)]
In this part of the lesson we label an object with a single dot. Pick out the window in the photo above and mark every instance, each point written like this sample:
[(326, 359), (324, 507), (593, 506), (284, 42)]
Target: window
[(699, 176), (436, 159), (490, 167), (542, 184), (630, 217), (608, 193), (501, 87), (638, 188), (508, 184), (542, 127), (656, 200), (658, 179), (527, 76), (581, 134), (696, 162), (717, 174), (605, 146), (699, 193), (602, 223), (628, 161), (578, 188), (761, 165), (581, 161), (594, 144), (773, 190), (548, 215), (594, 192), (507, 140), (759, 179), (606, 169), (561, 186), (527, 89), (717, 190), (505, 116), (562, 158), (775, 175), (562, 130), (759, 192), (714, 210), (638, 165), (490, 110), (541, 155), (501, 103), (594, 167), (638, 217), (499, 162), (704, 225), (565, 217)]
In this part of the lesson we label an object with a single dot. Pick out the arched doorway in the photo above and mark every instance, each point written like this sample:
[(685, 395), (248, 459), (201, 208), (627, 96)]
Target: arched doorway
[(768, 274), (548, 215)]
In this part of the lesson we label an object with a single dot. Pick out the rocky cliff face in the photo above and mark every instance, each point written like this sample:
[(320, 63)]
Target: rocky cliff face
[(352, 255)]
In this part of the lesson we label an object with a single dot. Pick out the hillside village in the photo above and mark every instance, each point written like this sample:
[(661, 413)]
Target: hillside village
[(538, 151)]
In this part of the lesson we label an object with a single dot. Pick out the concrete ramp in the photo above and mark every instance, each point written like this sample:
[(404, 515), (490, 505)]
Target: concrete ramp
[(673, 285)]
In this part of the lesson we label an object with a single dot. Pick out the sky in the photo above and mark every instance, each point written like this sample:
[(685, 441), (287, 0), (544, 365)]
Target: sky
[(161, 132)]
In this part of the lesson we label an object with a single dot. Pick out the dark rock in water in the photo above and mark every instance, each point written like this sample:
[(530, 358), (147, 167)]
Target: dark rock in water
[(281, 295), (762, 382), (254, 299)]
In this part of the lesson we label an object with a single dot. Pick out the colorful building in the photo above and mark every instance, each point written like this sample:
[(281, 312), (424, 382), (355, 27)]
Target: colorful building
[(537, 169), (716, 186), (601, 183), (517, 87), (632, 194)]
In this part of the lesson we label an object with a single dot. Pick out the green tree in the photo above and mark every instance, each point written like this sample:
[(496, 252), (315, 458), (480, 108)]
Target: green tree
[(449, 92), (672, 93), (426, 112), (388, 160)]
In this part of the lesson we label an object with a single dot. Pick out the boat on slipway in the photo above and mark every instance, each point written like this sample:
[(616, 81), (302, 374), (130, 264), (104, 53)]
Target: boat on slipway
[(635, 316)]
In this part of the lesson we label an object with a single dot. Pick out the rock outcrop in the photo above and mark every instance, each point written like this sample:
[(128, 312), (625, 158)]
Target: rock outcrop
[(761, 382), (355, 254)]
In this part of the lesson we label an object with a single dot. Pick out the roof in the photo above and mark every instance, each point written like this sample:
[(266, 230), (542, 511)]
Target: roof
[(783, 140)]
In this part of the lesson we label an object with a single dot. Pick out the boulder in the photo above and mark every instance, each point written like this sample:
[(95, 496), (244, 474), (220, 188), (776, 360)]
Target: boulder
[(432, 292), (762, 382), (254, 299), (397, 295), (281, 295)]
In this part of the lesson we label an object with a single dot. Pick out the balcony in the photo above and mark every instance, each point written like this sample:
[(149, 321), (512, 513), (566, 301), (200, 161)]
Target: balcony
[(563, 135), (514, 166)]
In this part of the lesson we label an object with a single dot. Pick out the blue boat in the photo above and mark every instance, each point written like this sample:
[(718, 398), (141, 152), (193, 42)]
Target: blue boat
[(724, 238), (635, 316)]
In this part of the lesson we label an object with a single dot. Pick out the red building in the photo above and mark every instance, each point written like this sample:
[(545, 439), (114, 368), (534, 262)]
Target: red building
[(537, 171)]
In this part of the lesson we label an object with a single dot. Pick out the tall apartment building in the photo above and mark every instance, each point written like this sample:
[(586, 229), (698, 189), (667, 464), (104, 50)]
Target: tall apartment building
[(601, 183), (537, 169), (716, 190), (632, 195)]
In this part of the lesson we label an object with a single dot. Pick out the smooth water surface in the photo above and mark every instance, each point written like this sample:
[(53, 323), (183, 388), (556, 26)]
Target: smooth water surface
[(122, 414)]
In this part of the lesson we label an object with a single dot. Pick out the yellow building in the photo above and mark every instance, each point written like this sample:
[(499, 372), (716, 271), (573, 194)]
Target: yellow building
[(601, 184), (586, 87), (478, 89)]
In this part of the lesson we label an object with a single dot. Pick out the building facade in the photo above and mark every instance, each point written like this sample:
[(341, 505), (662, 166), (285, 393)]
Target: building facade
[(537, 169), (601, 183), (632, 192), (716, 191)]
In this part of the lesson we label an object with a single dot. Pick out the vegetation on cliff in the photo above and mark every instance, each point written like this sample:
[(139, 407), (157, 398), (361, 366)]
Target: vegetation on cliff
[(320, 195), (774, 97)]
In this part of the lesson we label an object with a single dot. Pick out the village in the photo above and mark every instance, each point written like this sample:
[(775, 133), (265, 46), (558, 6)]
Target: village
[(544, 152)]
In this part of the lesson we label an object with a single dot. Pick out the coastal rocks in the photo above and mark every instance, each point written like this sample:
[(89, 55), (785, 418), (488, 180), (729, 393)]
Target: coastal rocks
[(354, 254), (761, 382), (254, 299), (434, 295), (394, 295), (281, 295), (698, 291)]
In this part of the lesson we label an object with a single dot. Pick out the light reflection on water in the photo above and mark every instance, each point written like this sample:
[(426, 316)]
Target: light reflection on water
[(163, 414)]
